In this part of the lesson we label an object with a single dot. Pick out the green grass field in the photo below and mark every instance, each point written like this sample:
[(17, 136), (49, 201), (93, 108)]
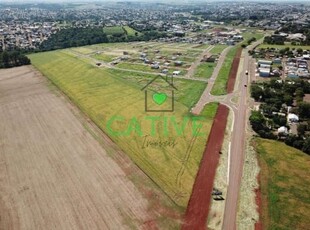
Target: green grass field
[(83, 50), (186, 96), (130, 31), (219, 87), (285, 183), (201, 46), (248, 35), (114, 101), (218, 49), (113, 30), (205, 70), (104, 57), (136, 66)]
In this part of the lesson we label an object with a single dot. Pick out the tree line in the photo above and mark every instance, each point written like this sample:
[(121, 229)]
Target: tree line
[(74, 37), (289, 28), (14, 58), (275, 97)]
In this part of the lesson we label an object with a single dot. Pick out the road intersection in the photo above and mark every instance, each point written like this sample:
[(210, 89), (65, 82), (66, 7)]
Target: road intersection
[(237, 103), (239, 110)]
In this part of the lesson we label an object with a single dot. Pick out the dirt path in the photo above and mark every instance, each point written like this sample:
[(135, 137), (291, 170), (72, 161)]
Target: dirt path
[(53, 173), (199, 203), (192, 69)]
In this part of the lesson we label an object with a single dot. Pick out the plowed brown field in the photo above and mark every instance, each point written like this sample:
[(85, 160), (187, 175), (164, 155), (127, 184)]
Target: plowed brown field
[(53, 173)]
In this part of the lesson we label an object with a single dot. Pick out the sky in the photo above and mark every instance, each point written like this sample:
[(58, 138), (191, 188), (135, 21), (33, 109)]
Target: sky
[(148, 1), (40, 1)]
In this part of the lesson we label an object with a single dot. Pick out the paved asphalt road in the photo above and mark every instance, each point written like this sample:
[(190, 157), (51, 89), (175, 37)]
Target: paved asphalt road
[(237, 149), (237, 152), (206, 95)]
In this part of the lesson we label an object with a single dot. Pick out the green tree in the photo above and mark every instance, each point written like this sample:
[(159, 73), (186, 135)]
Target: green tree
[(301, 129), (306, 146), (257, 121), (304, 110), (288, 99), (256, 92), (6, 59), (299, 50), (299, 92)]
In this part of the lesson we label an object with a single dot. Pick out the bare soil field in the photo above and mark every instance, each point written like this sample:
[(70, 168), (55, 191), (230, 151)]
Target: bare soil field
[(54, 174)]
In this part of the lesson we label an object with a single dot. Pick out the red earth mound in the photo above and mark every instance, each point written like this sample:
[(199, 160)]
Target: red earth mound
[(199, 203), (233, 72)]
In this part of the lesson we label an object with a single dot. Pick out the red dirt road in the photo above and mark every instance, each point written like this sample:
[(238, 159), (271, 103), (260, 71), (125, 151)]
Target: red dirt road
[(233, 72), (199, 203), (258, 199)]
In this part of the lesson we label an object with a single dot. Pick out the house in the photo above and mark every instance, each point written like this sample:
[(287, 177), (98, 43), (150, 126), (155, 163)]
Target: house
[(166, 64), (306, 56), (292, 74), (277, 61), (302, 72), (264, 72), (147, 61), (115, 62), (165, 71), (155, 66), (175, 73), (291, 117), (178, 63), (230, 42), (298, 37), (265, 66), (209, 58), (282, 130), (237, 38), (265, 62), (143, 55)]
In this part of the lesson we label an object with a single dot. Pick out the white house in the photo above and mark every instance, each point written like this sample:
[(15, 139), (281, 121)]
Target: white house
[(291, 117), (282, 130), (176, 72)]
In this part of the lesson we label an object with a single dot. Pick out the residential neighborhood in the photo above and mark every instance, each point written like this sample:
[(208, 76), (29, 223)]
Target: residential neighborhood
[(154, 114)]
